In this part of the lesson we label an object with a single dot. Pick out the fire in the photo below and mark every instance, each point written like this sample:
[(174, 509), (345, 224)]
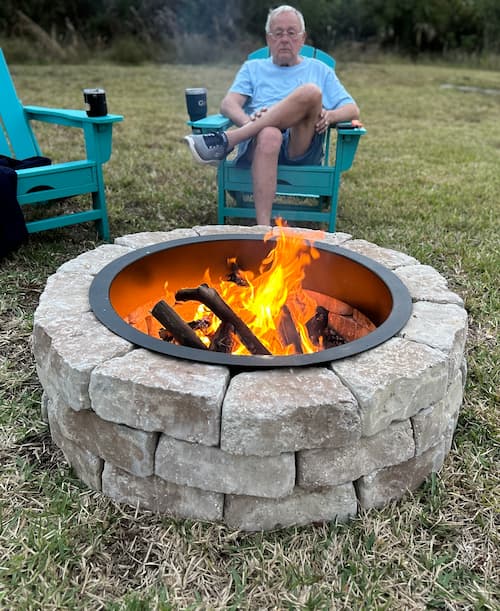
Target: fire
[(277, 287), (269, 302)]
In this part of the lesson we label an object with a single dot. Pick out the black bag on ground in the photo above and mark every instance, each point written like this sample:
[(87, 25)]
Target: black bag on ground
[(13, 230)]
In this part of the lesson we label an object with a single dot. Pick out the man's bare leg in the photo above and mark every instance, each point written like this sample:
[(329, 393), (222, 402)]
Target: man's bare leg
[(300, 111), (267, 145)]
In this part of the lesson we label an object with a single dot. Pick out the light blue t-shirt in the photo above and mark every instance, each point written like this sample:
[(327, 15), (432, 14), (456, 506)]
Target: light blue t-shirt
[(266, 83)]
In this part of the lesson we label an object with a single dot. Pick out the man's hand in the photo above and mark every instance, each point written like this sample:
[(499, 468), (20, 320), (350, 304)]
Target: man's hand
[(257, 114), (322, 124)]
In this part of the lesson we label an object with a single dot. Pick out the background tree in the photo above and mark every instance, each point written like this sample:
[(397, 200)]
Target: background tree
[(196, 30)]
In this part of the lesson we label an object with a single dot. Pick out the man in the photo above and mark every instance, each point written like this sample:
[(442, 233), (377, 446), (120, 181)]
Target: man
[(282, 107)]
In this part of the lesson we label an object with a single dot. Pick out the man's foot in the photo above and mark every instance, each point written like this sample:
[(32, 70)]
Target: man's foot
[(208, 148)]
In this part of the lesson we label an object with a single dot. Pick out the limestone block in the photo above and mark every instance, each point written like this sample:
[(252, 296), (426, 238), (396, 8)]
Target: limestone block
[(427, 284), (450, 432), (394, 381), (385, 256), (213, 469), (225, 230), (92, 261), (126, 448), (160, 496), (66, 350), (302, 507), (439, 325), (87, 466), (65, 296), (431, 423), (338, 238), (334, 466), (149, 238), (379, 487), (314, 235), (268, 412), (153, 392)]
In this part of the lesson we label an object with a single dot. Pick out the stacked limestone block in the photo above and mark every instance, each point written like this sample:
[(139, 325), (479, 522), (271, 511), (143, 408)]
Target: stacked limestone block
[(256, 450)]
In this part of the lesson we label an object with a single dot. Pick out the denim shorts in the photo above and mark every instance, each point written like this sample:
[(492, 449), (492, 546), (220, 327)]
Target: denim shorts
[(312, 156)]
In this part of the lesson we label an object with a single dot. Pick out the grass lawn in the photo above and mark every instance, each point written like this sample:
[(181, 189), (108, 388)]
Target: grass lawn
[(426, 181)]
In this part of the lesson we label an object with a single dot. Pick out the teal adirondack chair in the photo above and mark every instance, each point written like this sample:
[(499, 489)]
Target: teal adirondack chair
[(311, 192), (41, 185)]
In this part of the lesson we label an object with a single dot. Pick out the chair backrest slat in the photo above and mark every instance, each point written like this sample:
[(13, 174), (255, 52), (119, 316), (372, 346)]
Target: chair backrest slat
[(17, 129), (325, 58)]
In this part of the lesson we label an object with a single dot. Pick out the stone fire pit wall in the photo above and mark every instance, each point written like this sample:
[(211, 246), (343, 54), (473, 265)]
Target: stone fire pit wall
[(262, 449)]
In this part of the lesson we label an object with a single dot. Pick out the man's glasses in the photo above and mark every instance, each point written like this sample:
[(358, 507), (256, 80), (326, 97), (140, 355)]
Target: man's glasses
[(292, 34)]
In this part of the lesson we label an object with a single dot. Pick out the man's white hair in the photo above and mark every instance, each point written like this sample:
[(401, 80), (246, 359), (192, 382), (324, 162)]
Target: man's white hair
[(285, 8)]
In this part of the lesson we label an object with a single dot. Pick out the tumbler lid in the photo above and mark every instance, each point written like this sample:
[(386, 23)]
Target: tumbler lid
[(96, 90)]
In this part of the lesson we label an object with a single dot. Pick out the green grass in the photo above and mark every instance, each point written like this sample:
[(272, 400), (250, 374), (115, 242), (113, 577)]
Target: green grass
[(426, 181)]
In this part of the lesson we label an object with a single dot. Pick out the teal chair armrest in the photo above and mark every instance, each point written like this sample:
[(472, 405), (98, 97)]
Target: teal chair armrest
[(347, 144), (212, 123), (345, 127), (97, 130), (71, 118)]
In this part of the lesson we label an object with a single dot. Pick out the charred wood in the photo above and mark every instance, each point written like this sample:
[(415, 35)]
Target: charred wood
[(201, 323), (223, 341), (211, 298), (317, 325), (332, 339), (174, 324), (348, 327), (165, 335), (288, 331), (234, 273)]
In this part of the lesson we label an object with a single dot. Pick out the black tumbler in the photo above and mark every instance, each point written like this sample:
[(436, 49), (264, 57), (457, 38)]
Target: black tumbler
[(196, 103), (95, 99)]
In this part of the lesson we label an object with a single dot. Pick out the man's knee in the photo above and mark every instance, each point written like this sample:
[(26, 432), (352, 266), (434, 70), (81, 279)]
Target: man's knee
[(268, 141), (309, 93)]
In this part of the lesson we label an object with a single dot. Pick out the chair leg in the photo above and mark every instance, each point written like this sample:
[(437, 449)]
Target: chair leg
[(221, 198), (99, 203), (333, 216), (333, 205)]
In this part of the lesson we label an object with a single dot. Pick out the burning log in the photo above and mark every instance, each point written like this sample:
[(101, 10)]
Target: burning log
[(317, 325), (165, 335), (351, 327), (211, 298), (332, 339), (222, 341), (173, 323), (234, 273), (332, 304), (202, 323), (288, 330)]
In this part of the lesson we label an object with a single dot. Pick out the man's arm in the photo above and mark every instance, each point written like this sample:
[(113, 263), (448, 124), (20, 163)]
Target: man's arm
[(348, 112), (232, 108)]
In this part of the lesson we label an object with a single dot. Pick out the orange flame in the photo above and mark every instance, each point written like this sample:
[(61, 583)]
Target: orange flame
[(266, 301), (278, 284)]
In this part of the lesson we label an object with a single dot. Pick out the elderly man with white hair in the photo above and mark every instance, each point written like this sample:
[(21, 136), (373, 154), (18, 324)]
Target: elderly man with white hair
[(281, 107)]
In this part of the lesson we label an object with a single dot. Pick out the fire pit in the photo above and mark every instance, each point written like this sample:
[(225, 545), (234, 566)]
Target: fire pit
[(358, 285), (256, 441)]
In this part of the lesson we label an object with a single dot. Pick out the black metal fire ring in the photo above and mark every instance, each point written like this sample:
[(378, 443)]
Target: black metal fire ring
[(102, 306)]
